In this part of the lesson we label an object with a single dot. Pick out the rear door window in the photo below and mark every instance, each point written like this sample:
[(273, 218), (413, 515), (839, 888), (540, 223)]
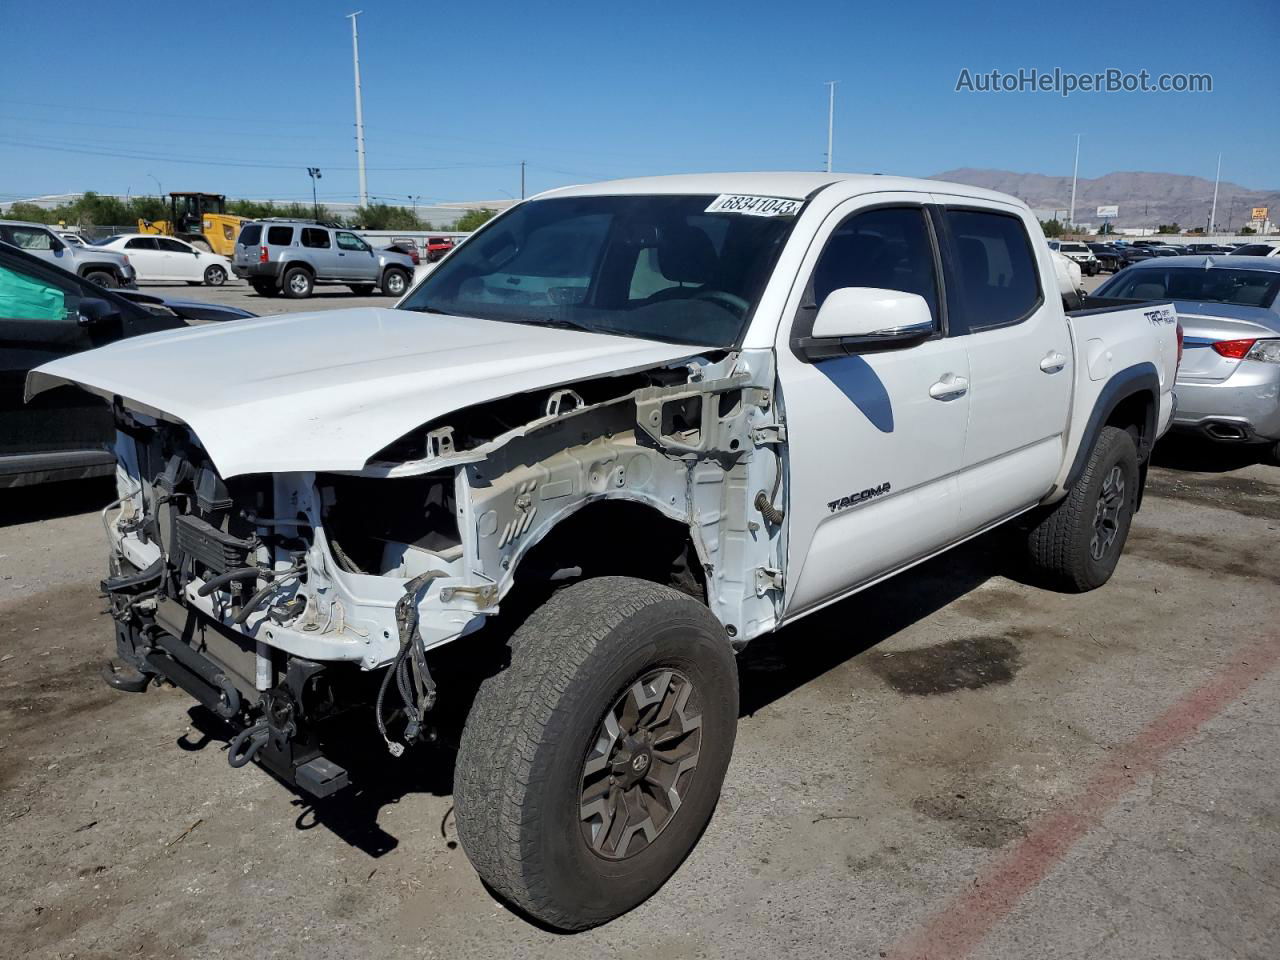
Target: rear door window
[(279, 236), (141, 243), (31, 238), (250, 235), (993, 270), (315, 238)]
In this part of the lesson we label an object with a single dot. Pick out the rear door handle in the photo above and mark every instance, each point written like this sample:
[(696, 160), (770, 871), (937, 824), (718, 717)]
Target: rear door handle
[(1053, 362), (949, 387)]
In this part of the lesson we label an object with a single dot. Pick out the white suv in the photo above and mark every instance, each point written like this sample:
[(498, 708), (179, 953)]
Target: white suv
[(1078, 252)]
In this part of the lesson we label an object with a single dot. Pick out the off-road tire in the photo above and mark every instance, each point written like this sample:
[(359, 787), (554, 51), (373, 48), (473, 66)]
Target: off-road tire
[(517, 788), (395, 282), (1060, 542), (214, 275), (102, 278), (297, 283)]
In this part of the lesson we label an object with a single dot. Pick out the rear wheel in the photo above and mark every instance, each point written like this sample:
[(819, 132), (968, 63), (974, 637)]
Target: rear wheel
[(395, 282), (102, 278), (298, 283), (214, 275), (589, 767), (1078, 543)]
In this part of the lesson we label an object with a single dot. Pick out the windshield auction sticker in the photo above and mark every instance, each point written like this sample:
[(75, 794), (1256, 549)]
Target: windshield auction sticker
[(754, 206)]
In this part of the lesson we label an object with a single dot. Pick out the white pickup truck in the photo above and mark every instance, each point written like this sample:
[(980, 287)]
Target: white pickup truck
[(615, 435)]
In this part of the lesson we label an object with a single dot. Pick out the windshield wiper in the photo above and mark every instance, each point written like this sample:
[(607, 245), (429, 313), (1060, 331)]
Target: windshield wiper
[(563, 323)]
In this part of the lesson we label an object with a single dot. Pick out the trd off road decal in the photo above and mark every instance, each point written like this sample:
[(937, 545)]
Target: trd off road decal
[(1161, 315), (862, 496)]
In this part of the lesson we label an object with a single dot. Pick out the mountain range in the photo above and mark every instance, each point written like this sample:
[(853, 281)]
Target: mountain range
[(1145, 199)]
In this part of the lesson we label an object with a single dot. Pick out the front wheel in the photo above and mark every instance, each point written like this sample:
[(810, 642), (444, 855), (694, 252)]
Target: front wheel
[(1078, 543), (395, 282), (215, 276), (589, 767), (102, 278)]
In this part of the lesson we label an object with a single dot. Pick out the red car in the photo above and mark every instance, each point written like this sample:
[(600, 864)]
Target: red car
[(437, 247)]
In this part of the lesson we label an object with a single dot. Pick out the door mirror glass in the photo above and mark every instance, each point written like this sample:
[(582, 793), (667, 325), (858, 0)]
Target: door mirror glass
[(877, 316)]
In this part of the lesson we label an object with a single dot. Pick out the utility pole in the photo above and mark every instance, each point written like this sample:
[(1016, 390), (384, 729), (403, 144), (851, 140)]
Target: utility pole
[(521, 179), (314, 174), (831, 118), (1213, 213), (415, 200), (1074, 173), (355, 58)]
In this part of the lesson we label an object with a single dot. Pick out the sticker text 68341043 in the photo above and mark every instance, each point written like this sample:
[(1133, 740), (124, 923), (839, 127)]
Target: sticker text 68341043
[(755, 206)]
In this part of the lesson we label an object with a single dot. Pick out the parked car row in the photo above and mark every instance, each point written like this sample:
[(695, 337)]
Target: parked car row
[(1095, 257)]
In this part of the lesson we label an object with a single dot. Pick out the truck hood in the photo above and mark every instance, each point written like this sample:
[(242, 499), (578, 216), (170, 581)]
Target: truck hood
[(326, 391)]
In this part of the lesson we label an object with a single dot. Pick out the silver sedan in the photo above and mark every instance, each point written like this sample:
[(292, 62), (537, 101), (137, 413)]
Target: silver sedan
[(1228, 384)]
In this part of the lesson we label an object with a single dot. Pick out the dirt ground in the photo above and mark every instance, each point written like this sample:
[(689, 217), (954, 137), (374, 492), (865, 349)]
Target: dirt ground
[(954, 763)]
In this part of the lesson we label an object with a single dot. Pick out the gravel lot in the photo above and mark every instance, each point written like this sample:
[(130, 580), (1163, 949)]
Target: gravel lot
[(954, 763)]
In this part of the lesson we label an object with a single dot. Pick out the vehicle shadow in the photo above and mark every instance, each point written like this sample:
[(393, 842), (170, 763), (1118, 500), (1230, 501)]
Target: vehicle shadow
[(1194, 455), (776, 664), (48, 501), (769, 669)]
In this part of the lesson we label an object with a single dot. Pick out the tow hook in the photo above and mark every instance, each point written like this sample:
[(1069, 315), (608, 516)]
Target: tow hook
[(247, 743), (125, 678)]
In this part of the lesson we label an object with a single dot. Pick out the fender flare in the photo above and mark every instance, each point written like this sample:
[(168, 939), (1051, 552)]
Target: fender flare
[(1141, 378), (85, 269)]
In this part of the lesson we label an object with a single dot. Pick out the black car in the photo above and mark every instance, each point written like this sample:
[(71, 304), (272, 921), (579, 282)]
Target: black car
[(1109, 256), (45, 313), (1131, 254)]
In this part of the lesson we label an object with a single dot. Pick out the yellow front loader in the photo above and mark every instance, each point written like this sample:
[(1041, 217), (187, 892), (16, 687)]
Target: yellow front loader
[(201, 219)]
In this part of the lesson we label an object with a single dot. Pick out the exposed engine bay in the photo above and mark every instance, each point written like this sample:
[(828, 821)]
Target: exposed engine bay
[(282, 601)]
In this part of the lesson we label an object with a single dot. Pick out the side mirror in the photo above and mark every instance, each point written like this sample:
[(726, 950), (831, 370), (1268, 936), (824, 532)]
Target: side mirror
[(93, 311), (56, 245), (196, 252), (873, 313)]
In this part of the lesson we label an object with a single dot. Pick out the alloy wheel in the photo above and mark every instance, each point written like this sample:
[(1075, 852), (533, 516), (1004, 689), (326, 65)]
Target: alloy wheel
[(1106, 515), (641, 765)]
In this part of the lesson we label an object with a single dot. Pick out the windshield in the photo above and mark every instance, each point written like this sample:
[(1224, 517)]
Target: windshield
[(659, 267), (1247, 288)]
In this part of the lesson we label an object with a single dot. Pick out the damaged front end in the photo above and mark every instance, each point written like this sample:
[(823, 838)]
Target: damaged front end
[(287, 602)]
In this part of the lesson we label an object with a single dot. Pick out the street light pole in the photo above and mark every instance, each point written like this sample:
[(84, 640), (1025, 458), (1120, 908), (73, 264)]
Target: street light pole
[(521, 179), (159, 187), (314, 174), (831, 119), (355, 59), (1074, 174), (1213, 213)]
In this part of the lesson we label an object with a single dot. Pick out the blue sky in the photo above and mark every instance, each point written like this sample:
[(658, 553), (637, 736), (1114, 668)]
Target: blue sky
[(457, 94)]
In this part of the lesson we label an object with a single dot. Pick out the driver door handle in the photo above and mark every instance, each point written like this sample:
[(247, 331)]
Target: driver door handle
[(949, 387), (1053, 362)]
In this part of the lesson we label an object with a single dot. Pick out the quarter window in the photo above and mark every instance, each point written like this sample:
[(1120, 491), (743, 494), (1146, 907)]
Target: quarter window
[(315, 238), (998, 282), (279, 236), (889, 248)]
